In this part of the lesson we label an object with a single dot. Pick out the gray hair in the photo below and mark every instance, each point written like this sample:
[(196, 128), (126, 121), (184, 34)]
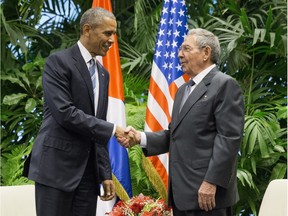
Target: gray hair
[(94, 17), (207, 38)]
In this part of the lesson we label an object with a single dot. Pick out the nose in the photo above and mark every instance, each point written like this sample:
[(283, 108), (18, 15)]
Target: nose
[(180, 53), (112, 38)]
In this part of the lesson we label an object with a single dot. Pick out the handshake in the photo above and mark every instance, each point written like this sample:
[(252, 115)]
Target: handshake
[(127, 137)]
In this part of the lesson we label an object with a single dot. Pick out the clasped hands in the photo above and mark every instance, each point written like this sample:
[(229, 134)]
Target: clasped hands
[(127, 137)]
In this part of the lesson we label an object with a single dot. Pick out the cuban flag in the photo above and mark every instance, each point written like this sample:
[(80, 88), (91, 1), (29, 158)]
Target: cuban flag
[(166, 77), (116, 114)]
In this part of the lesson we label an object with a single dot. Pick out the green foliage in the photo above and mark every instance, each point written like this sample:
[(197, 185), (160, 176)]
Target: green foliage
[(21, 116), (140, 182), (253, 36)]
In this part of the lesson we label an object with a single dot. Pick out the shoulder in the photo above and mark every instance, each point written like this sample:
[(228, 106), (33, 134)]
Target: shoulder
[(221, 77), (63, 57), (64, 53)]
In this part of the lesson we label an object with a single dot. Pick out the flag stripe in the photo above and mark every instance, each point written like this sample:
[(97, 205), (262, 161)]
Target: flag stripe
[(152, 122), (161, 99), (160, 168)]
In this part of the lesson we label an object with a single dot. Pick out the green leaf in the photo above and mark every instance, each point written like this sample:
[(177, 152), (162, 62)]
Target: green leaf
[(13, 80), (272, 39), (257, 33), (30, 105), (13, 98), (279, 171)]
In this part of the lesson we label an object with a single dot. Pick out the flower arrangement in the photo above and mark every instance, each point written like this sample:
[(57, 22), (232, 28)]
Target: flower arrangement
[(141, 206)]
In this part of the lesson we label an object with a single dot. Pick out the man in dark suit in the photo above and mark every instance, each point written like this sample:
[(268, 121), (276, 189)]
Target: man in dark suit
[(70, 157), (204, 135)]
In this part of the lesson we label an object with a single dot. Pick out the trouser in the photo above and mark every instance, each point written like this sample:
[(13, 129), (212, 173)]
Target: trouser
[(215, 212), (81, 202)]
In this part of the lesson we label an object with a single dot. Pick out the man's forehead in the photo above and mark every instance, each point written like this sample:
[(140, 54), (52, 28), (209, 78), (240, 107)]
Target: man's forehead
[(189, 39)]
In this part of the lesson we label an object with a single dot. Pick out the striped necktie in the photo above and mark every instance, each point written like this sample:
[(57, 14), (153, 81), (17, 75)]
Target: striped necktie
[(93, 73), (186, 94)]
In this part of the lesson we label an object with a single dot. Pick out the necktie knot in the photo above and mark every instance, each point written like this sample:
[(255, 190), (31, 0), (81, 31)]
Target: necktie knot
[(92, 61), (190, 83)]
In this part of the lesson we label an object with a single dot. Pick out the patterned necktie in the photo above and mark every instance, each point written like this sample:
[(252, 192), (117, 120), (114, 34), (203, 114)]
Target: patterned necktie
[(186, 94), (92, 73)]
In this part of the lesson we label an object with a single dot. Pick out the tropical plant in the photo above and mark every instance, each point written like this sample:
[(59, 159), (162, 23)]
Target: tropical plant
[(21, 116), (253, 36)]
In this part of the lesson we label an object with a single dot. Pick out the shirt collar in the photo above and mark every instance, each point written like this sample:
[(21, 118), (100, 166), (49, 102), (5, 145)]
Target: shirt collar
[(200, 76), (84, 52)]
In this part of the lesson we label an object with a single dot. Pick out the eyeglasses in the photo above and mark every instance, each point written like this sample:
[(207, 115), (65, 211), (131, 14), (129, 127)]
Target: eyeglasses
[(187, 48)]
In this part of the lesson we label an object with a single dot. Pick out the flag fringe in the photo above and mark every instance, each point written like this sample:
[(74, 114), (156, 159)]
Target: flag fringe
[(154, 177), (119, 189)]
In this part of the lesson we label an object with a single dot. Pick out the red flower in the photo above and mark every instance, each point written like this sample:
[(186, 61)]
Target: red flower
[(141, 206), (136, 207)]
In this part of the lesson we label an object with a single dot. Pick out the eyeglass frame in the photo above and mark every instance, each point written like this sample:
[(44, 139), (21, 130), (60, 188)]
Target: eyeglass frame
[(187, 48)]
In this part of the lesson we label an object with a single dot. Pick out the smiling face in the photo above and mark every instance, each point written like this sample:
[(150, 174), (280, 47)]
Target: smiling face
[(193, 58), (98, 39)]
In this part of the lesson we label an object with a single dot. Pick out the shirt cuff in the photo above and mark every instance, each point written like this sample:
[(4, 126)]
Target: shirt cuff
[(114, 130), (143, 141)]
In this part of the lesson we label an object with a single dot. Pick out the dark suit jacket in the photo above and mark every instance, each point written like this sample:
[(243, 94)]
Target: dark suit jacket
[(70, 130), (203, 141)]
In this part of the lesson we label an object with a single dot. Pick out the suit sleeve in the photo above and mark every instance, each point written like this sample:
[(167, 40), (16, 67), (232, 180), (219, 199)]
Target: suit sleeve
[(229, 118), (157, 143), (57, 93), (105, 170)]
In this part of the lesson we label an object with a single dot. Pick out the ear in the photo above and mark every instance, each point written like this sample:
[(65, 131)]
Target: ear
[(86, 29), (207, 53)]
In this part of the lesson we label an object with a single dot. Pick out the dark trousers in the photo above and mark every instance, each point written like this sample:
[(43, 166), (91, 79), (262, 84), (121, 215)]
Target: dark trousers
[(214, 212), (81, 202)]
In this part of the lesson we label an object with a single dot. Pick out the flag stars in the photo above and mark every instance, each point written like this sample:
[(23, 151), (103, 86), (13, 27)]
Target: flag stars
[(186, 26), (165, 10), (179, 68), (170, 65), (179, 23), (182, 2), (159, 43), (172, 11), (166, 54), (172, 55), (158, 54), (174, 44), (161, 32), (168, 44), (163, 21), (171, 21), (165, 66), (169, 76), (176, 33), (169, 33), (181, 13)]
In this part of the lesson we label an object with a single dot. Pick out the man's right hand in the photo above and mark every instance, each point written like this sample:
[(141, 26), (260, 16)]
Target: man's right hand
[(128, 137)]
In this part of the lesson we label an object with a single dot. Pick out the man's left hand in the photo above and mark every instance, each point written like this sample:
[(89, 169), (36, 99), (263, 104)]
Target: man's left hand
[(206, 196), (109, 190)]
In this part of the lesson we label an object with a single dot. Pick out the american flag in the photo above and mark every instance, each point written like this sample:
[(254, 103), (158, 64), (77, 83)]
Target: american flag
[(166, 75)]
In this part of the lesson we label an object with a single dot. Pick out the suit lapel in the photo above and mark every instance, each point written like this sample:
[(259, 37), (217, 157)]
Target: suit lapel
[(81, 66), (197, 93), (102, 90)]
